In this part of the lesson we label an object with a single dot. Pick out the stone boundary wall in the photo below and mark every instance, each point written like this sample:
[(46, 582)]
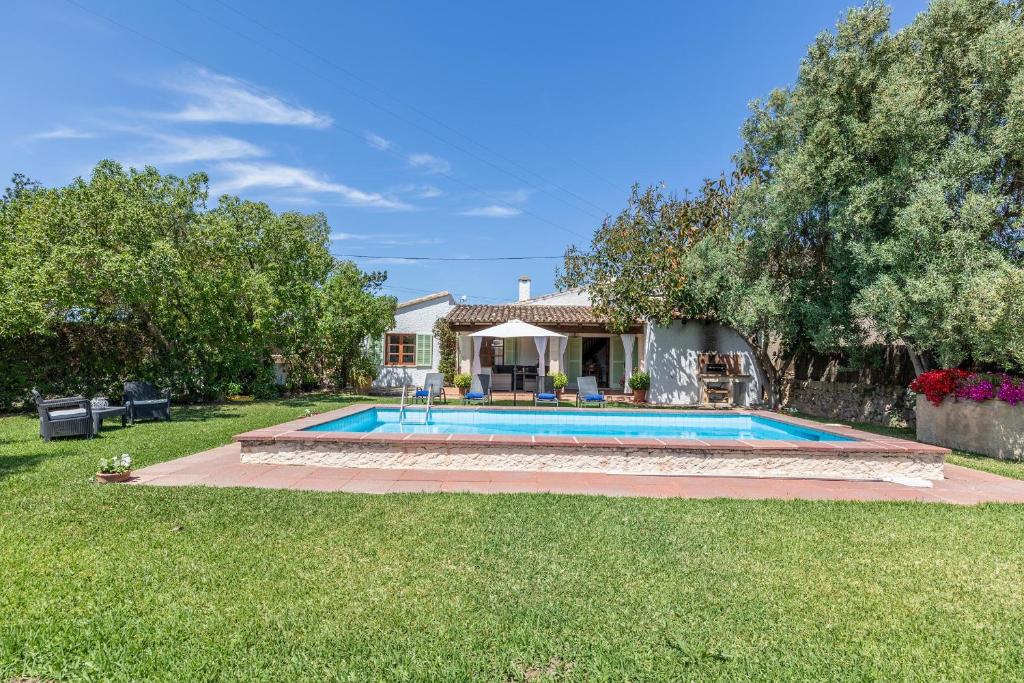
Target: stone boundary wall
[(992, 428), (890, 405)]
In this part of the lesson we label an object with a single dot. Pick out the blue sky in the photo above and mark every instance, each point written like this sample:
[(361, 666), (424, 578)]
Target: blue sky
[(459, 129)]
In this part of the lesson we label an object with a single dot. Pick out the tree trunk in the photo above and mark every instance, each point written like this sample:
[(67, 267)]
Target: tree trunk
[(772, 372), (916, 359)]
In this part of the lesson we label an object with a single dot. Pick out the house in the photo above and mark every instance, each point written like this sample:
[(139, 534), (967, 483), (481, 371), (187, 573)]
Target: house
[(675, 355), (409, 350)]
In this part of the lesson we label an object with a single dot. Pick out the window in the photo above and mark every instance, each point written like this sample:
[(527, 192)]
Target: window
[(401, 349)]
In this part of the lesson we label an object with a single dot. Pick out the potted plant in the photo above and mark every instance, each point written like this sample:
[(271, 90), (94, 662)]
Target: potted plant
[(113, 470), (560, 380), (640, 382), (463, 382)]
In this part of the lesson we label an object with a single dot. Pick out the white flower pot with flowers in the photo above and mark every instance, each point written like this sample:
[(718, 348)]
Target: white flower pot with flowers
[(116, 469)]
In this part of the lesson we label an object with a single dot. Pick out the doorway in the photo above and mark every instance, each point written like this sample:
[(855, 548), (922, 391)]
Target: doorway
[(596, 359)]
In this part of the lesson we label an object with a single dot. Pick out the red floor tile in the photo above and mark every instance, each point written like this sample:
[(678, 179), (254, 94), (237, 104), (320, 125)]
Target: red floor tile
[(414, 486), (367, 486), (221, 467)]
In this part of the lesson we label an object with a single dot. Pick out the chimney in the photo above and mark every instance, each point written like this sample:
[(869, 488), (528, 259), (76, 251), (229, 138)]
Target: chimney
[(524, 287)]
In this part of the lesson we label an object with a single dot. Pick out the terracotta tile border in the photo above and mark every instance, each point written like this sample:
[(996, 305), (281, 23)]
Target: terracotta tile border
[(861, 441)]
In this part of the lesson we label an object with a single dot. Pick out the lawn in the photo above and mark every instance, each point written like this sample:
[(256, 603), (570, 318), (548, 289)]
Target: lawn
[(129, 583)]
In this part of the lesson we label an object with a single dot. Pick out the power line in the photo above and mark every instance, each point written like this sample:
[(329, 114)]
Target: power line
[(451, 258), (416, 110), (345, 129)]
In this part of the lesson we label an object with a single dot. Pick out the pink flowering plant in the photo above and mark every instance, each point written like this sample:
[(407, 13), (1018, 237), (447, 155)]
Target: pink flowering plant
[(979, 387), (1010, 390), (976, 387)]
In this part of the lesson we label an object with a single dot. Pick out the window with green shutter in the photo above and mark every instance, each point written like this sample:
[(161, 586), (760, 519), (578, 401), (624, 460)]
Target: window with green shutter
[(424, 350)]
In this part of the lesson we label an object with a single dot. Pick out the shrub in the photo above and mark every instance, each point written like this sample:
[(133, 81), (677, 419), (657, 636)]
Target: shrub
[(363, 371), (560, 380), (640, 380), (233, 389), (936, 385), (463, 381), (448, 343)]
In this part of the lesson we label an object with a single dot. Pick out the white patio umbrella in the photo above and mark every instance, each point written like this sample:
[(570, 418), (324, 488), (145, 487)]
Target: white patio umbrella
[(516, 328)]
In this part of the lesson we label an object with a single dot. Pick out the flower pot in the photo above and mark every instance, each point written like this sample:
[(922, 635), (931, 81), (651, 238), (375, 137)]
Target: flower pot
[(558, 393), (462, 391), (112, 477), (639, 396)]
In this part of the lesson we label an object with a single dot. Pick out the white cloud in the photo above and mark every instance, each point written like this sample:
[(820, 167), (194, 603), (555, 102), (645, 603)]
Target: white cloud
[(248, 175), (429, 192), (419, 191), (179, 149), (388, 240), (492, 211), (225, 99), (63, 133), (377, 141), (520, 196), (429, 163)]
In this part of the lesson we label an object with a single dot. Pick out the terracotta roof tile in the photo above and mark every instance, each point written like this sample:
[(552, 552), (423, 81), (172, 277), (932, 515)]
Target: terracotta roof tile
[(483, 314)]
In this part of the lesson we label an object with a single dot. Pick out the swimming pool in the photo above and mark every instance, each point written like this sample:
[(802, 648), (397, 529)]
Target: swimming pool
[(593, 423), (647, 442)]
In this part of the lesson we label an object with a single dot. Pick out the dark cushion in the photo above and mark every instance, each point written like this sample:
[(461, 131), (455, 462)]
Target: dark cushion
[(593, 397), (474, 394), (547, 397)]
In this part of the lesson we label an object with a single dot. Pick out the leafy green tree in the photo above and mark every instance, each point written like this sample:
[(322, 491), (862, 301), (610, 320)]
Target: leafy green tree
[(352, 311), (665, 258), (127, 274), (894, 166)]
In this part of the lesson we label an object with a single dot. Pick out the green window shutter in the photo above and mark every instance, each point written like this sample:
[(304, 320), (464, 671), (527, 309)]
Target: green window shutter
[(574, 360), (375, 347), (511, 351), (617, 354), (424, 350)]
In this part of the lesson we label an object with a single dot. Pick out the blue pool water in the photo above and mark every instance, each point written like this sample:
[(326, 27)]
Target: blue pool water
[(562, 422)]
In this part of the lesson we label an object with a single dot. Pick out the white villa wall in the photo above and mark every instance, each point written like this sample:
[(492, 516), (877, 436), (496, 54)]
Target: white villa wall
[(672, 353), (572, 297), (415, 318)]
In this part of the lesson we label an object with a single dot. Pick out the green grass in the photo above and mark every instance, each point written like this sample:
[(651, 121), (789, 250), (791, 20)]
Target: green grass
[(137, 583), (1004, 468)]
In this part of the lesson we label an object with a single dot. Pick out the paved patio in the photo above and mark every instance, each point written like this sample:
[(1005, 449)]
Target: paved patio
[(222, 467)]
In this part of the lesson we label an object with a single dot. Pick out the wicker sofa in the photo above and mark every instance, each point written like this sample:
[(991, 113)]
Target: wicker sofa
[(143, 400)]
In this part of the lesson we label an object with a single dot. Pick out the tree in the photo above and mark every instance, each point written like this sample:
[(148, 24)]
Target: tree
[(127, 274), (894, 165), (665, 258), (352, 312)]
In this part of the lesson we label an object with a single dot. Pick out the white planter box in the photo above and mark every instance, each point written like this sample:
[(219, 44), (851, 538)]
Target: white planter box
[(993, 428)]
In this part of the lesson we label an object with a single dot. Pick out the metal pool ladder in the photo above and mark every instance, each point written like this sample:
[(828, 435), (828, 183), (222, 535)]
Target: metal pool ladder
[(402, 412)]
